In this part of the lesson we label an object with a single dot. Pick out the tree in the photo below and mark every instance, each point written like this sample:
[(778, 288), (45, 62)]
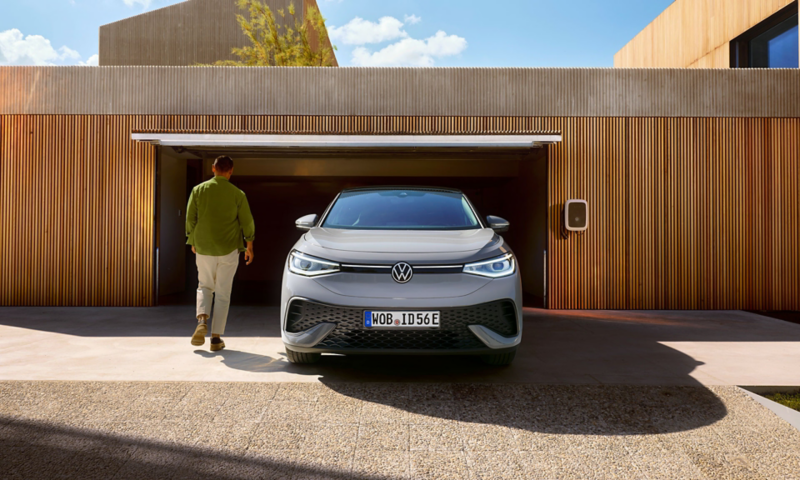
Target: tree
[(281, 45)]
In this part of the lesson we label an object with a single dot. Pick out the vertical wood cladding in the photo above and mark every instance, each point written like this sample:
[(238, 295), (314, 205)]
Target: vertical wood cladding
[(685, 213), (695, 33), (694, 213), (76, 217)]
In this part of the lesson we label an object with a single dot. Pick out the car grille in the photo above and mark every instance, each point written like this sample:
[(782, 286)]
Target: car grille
[(453, 335)]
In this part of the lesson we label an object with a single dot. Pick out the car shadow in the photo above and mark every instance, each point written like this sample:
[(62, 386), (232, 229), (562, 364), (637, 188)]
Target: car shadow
[(527, 396), (547, 409)]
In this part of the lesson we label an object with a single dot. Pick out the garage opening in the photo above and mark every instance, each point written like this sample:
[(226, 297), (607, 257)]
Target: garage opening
[(283, 184)]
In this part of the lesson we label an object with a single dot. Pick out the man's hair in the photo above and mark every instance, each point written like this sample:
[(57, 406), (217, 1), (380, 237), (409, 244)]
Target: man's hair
[(223, 164)]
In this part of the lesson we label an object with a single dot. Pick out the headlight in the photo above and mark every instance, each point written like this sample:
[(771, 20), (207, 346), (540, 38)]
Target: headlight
[(309, 266), (494, 268)]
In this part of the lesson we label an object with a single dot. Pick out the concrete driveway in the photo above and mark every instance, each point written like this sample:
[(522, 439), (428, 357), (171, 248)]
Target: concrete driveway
[(559, 347), (120, 393), (241, 430)]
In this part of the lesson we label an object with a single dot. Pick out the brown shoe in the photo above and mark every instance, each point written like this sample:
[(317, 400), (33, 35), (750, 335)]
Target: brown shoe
[(217, 344), (199, 336)]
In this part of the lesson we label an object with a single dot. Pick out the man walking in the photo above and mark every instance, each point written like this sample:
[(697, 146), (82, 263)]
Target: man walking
[(217, 218)]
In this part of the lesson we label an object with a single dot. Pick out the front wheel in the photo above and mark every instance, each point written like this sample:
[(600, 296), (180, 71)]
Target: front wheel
[(299, 358), (499, 359)]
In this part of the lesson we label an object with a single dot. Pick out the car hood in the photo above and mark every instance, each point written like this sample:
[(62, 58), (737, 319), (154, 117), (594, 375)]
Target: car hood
[(402, 241)]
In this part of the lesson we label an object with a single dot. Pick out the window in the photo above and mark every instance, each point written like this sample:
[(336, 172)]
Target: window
[(771, 44), (401, 210)]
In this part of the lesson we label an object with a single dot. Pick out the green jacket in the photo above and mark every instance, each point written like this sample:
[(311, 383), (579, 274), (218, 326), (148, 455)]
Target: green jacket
[(217, 218)]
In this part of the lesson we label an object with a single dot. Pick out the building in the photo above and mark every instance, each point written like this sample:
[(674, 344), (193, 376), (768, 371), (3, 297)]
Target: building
[(692, 177), (717, 34), (694, 199), (185, 34)]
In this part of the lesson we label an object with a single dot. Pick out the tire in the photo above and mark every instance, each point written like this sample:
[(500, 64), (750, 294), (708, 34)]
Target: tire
[(500, 359), (299, 358)]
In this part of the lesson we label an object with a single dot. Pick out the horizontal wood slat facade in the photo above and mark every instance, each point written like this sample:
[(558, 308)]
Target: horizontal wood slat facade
[(466, 92), (685, 213), (695, 33)]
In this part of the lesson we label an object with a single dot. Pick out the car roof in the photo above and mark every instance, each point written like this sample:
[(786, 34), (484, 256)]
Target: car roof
[(403, 187)]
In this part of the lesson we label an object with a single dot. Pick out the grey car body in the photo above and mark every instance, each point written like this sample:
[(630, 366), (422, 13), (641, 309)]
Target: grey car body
[(324, 314)]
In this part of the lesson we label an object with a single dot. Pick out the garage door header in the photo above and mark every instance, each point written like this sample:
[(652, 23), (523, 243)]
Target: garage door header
[(346, 141)]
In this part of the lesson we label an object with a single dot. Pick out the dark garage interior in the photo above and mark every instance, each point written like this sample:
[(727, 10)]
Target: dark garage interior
[(282, 187)]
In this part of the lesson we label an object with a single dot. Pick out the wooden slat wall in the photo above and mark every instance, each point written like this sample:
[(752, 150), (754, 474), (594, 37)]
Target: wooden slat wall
[(684, 214), (419, 92), (76, 217), (345, 124), (695, 33), (186, 33), (697, 213)]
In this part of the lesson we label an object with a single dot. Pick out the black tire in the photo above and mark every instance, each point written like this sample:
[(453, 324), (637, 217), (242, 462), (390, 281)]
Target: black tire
[(500, 359), (299, 358)]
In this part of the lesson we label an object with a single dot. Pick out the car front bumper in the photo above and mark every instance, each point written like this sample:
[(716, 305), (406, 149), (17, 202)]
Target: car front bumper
[(487, 320)]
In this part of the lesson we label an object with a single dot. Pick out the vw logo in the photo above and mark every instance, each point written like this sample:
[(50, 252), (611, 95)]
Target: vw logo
[(402, 272)]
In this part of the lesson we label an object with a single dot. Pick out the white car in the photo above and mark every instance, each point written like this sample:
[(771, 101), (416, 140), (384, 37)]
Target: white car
[(396, 270)]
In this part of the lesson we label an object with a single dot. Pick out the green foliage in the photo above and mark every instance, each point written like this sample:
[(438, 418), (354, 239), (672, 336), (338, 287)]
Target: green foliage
[(791, 400), (281, 45)]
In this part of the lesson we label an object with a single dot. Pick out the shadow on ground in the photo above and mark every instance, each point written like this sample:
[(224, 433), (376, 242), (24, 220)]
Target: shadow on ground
[(400, 385), (551, 409), (164, 321), (540, 418), (249, 362), (37, 450), (558, 347)]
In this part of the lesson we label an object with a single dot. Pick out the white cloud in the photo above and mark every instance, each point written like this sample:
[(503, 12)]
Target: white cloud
[(411, 52), (144, 3), (412, 19), (68, 53), (360, 32), (93, 61), (16, 49)]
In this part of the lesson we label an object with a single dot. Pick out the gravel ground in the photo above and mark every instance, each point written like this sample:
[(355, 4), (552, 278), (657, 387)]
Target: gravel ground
[(315, 430)]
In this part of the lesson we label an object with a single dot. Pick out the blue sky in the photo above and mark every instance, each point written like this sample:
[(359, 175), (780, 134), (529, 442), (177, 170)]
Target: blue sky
[(463, 33)]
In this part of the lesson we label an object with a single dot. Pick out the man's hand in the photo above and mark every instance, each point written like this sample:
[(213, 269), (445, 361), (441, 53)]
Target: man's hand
[(249, 256), (193, 250)]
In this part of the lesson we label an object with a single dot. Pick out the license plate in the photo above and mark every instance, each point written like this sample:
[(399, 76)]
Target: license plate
[(399, 319)]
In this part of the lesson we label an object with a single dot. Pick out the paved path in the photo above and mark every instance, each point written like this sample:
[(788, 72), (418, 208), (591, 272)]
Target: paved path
[(559, 347), (368, 431)]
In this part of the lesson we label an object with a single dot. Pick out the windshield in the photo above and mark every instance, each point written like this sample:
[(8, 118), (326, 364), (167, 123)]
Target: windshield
[(401, 210)]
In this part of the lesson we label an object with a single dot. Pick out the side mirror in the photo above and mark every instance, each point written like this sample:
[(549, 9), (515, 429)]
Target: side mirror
[(497, 224), (306, 223)]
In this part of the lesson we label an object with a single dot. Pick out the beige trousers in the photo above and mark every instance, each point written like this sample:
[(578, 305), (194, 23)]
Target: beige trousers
[(215, 275)]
